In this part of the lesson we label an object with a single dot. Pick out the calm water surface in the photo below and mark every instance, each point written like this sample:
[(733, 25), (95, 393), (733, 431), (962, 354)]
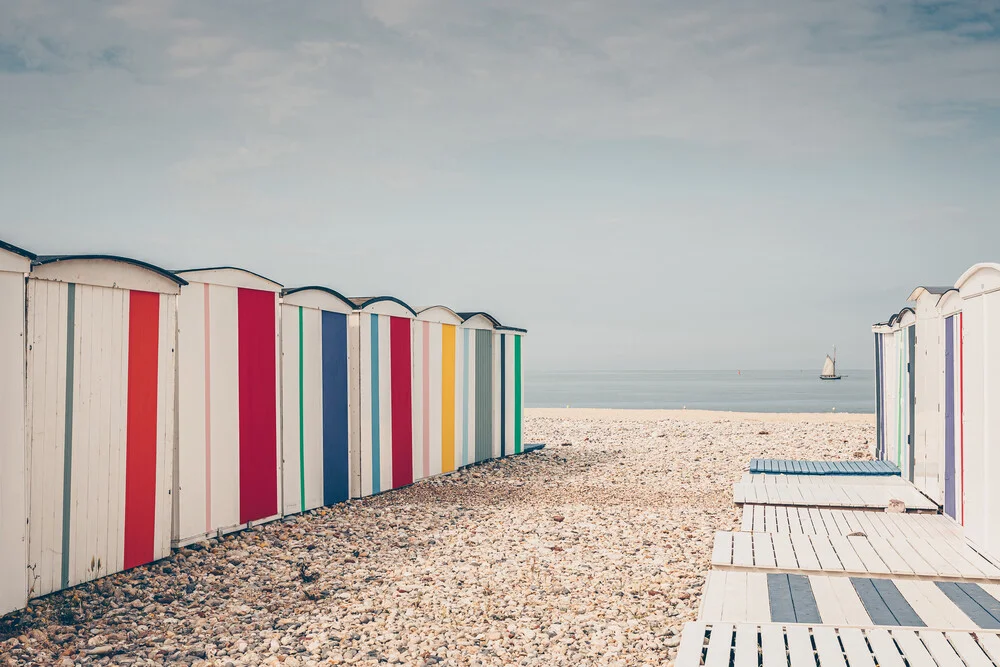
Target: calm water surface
[(751, 391)]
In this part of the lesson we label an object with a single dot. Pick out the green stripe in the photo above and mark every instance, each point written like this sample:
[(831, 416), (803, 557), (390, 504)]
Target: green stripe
[(302, 423), (68, 443)]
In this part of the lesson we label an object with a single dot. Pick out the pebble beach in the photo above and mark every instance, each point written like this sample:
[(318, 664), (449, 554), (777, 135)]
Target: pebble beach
[(592, 551)]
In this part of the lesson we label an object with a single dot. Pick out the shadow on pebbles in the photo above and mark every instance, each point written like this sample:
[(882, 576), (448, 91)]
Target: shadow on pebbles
[(588, 552)]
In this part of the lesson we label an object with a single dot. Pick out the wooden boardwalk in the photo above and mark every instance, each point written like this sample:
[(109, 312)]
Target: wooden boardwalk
[(795, 467), (867, 555), (823, 493), (759, 597), (777, 645), (825, 521)]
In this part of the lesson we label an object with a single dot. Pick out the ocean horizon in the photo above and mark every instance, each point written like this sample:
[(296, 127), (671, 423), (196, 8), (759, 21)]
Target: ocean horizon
[(735, 391)]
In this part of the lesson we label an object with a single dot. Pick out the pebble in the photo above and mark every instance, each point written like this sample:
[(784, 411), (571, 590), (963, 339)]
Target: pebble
[(594, 553)]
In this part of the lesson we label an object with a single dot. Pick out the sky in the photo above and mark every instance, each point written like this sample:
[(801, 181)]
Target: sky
[(700, 184)]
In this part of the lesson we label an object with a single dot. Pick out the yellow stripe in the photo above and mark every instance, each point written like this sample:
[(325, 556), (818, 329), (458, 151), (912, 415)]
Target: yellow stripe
[(447, 397)]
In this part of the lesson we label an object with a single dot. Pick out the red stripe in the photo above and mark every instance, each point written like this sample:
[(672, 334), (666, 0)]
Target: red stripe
[(140, 434), (402, 402), (258, 406)]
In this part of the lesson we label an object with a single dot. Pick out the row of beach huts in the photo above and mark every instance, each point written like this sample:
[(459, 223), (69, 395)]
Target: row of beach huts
[(143, 409), (937, 367)]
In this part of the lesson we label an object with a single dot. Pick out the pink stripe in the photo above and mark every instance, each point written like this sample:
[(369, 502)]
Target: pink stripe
[(427, 398), (208, 417)]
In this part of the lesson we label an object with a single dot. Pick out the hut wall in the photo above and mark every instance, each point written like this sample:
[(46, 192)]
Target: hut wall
[(953, 464), (511, 392), (100, 378), (13, 509), (228, 471), (315, 408), (928, 437), (437, 399)]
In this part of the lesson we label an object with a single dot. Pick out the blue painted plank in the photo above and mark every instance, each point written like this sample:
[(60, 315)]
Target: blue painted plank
[(897, 604), (790, 467), (974, 602), (803, 600), (336, 481), (779, 597), (876, 607)]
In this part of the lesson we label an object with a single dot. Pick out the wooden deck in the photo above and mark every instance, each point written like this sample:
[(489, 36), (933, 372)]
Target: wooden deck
[(825, 521), (777, 645), (820, 492), (795, 467), (866, 555)]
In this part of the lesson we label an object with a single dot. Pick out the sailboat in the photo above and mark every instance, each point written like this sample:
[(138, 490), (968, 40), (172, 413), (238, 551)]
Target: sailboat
[(829, 371)]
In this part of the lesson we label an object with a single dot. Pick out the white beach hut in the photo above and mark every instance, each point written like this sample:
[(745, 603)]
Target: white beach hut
[(14, 266), (315, 371), (100, 414), (950, 307), (228, 472), (482, 386), (928, 399), (979, 288), (509, 341), (437, 389), (383, 431)]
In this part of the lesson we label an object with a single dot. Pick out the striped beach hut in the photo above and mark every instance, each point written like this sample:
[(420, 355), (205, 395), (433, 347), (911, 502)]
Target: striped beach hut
[(228, 472), (384, 429), (100, 415), (979, 288), (482, 383), (438, 356), (950, 307), (509, 340), (928, 414), (315, 363), (15, 263)]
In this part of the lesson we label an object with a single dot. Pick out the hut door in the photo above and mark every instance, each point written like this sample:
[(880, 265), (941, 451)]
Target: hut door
[(879, 412), (949, 416)]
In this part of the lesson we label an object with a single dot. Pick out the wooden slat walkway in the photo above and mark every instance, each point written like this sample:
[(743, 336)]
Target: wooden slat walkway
[(873, 554), (780, 645), (825, 521), (758, 597), (797, 467), (812, 480), (871, 496)]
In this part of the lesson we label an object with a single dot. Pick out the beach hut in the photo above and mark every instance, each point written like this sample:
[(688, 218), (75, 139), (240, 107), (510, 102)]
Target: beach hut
[(882, 334), (228, 473), (482, 385), (315, 363), (899, 390), (928, 398), (979, 288), (953, 465), (384, 429), (100, 415), (14, 266), (511, 390), (437, 388)]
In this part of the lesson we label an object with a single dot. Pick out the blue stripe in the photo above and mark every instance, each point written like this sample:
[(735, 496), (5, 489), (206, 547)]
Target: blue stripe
[(376, 463), (465, 397), (336, 483)]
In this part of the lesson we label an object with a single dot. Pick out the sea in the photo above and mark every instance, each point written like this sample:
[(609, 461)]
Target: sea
[(737, 391)]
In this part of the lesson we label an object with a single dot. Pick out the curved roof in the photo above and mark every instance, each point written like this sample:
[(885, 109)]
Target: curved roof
[(319, 288), (919, 291), (10, 247), (468, 316), (973, 270), (450, 316), (362, 302), (42, 260), (191, 273), (903, 312), (950, 302), (514, 329)]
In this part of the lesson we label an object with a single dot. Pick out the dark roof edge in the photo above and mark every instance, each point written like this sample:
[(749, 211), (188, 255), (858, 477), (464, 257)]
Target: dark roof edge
[(52, 259), (10, 247), (319, 288), (232, 268), (517, 329), (470, 315), (368, 300)]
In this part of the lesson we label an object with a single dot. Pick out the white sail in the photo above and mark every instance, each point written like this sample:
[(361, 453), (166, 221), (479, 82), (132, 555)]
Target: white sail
[(829, 368)]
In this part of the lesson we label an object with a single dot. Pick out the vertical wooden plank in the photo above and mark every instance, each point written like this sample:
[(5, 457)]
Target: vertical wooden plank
[(369, 413), (336, 453), (77, 447), (421, 457), (746, 650), (496, 451), (167, 425), (432, 385), (772, 644), (402, 401), (940, 649), (885, 649), (386, 399), (828, 648), (800, 649), (720, 645), (692, 642), (118, 437), (292, 364), (518, 396), (357, 402), (222, 407), (98, 497), (191, 503), (313, 443), (758, 609), (966, 647), (258, 428)]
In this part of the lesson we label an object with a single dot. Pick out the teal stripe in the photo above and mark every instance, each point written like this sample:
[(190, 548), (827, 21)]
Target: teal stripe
[(376, 462), (465, 397), (302, 423), (68, 443)]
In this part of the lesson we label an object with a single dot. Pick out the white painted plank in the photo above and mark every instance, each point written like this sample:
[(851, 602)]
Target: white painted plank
[(772, 643), (940, 649), (884, 647), (692, 643), (745, 654), (713, 595), (758, 608), (858, 653), (804, 553), (828, 647), (913, 648), (932, 605), (800, 650), (970, 652), (763, 551), (719, 646)]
